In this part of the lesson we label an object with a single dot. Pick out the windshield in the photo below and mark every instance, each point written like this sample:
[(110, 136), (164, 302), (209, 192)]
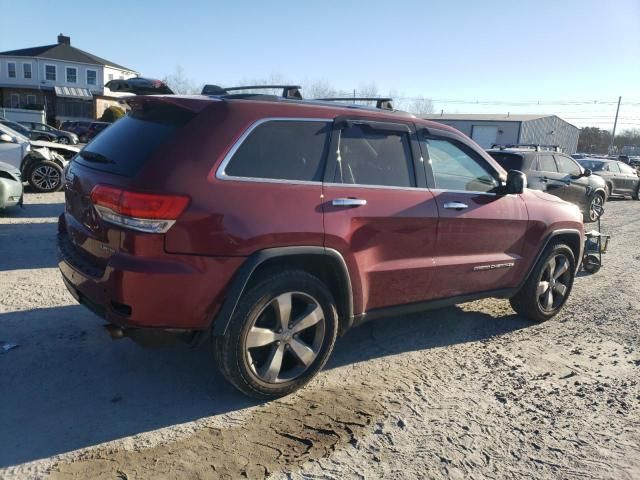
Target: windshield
[(13, 133)]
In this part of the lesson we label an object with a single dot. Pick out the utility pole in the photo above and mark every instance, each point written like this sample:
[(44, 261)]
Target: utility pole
[(615, 124)]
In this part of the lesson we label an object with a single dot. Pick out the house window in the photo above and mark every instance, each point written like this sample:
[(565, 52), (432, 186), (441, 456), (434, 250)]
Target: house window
[(92, 77), (15, 100), (26, 70), (31, 99), (50, 72), (110, 76), (11, 68), (72, 75)]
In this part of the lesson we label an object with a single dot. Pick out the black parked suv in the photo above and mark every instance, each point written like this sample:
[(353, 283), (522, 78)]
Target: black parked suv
[(621, 178), (556, 173)]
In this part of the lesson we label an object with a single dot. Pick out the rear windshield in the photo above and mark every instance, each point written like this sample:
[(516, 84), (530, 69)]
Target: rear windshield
[(126, 145), (508, 161)]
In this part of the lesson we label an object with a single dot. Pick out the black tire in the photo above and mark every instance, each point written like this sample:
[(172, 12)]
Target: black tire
[(45, 177), (240, 364), (636, 195), (589, 216), (591, 263), (527, 301)]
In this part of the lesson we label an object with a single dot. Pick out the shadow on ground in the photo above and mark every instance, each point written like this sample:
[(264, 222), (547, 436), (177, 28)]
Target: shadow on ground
[(27, 245), (34, 210), (68, 386)]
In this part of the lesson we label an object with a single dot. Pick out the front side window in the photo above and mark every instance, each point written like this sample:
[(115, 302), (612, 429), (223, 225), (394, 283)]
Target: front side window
[(91, 77), (546, 163), (568, 165), (612, 167), (72, 75), (26, 70), (372, 157), (457, 167), (11, 69), (50, 72), (282, 150)]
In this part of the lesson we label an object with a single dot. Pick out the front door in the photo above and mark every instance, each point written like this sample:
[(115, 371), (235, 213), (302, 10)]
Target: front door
[(480, 232), (550, 178), (379, 214), (578, 191)]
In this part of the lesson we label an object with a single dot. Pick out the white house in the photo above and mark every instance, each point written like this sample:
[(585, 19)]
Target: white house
[(63, 80)]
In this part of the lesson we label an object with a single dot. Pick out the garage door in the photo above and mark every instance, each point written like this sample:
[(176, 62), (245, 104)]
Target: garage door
[(485, 136)]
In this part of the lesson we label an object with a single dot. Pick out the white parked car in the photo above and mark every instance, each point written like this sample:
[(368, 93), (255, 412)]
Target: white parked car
[(40, 163), (10, 186)]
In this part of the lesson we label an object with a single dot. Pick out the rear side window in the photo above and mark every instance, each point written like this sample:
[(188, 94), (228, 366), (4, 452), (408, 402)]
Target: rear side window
[(546, 163), (282, 150), (127, 145), (624, 168), (373, 157), (508, 161)]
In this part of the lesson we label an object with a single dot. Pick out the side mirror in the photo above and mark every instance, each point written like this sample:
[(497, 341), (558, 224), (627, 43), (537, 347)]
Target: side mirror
[(587, 172), (4, 138), (516, 182)]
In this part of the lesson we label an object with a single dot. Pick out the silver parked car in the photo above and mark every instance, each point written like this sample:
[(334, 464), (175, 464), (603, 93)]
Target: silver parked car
[(10, 186)]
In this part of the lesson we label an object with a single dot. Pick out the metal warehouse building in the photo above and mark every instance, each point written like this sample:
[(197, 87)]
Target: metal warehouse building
[(487, 130)]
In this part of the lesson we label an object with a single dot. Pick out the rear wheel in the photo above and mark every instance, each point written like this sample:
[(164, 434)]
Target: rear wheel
[(549, 285), (45, 177), (280, 336)]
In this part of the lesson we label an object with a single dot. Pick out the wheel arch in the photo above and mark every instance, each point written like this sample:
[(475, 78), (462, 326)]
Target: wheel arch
[(571, 237), (325, 263)]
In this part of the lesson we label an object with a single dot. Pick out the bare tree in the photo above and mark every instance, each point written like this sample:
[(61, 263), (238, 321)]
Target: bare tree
[(421, 106), (181, 84)]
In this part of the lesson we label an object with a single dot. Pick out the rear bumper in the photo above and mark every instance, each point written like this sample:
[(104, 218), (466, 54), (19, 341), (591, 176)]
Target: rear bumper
[(173, 292)]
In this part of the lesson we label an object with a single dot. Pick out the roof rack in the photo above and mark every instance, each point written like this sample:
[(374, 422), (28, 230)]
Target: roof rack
[(383, 103), (288, 91), (535, 146)]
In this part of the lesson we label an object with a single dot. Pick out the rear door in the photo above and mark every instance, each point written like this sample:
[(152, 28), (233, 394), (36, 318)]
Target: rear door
[(480, 232), (629, 176), (378, 212)]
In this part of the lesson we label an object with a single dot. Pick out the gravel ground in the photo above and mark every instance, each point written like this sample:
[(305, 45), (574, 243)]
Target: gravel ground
[(464, 392)]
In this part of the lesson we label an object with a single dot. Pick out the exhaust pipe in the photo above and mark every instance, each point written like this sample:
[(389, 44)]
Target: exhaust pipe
[(115, 332)]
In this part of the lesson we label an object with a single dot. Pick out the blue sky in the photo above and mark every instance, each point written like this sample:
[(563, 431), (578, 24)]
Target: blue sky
[(489, 51)]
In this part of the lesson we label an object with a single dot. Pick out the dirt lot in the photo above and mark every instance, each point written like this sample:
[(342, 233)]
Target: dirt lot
[(464, 392)]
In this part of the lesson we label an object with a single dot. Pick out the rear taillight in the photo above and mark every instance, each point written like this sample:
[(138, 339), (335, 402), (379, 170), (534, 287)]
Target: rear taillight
[(145, 212)]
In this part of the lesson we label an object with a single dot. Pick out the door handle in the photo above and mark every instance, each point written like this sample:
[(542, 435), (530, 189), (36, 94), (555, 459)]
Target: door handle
[(348, 202), (544, 179), (456, 205)]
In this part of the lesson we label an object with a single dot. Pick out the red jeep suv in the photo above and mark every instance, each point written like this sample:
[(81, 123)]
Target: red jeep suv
[(272, 224)]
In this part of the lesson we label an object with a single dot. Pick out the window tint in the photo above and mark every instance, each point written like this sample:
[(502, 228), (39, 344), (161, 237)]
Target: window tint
[(508, 161), (546, 163), (372, 157), (282, 150), (567, 165), (129, 143), (593, 165), (457, 167)]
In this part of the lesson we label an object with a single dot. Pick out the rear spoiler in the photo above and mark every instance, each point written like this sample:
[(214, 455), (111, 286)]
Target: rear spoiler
[(190, 103), (139, 86)]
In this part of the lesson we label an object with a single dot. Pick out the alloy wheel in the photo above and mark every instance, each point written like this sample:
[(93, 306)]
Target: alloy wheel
[(63, 140), (554, 283), (285, 337), (45, 177), (594, 208)]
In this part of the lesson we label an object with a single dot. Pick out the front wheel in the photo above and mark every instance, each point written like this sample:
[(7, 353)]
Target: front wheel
[(280, 336), (595, 208), (46, 177), (63, 140), (636, 195), (549, 285)]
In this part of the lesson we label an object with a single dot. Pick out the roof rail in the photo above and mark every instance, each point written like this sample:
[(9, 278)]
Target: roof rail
[(288, 91), (537, 147), (383, 103)]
